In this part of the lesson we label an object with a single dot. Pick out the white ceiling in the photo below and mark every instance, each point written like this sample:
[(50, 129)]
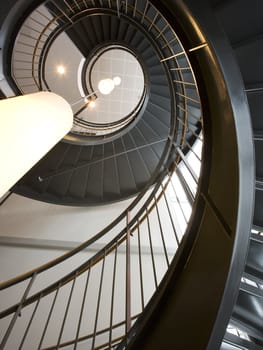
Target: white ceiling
[(125, 97), (115, 62)]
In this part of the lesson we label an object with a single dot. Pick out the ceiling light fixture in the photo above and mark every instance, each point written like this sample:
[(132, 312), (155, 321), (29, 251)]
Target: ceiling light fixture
[(61, 70), (117, 81), (92, 104), (106, 86), (30, 126)]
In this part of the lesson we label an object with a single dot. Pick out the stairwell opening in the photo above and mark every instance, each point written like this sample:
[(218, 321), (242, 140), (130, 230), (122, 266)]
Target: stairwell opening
[(113, 111)]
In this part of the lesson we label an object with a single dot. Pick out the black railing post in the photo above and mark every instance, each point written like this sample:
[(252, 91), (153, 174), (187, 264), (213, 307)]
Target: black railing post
[(17, 313), (128, 276)]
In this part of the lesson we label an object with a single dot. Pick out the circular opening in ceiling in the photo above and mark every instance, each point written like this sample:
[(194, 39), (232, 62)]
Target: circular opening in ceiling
[(106, 90), (116, 77)]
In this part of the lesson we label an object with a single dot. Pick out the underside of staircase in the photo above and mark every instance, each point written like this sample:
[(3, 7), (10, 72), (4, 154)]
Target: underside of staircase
[(130, 162)]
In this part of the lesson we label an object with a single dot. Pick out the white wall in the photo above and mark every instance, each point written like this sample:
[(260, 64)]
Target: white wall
[(32, 233), (11, 255), (26, 218)]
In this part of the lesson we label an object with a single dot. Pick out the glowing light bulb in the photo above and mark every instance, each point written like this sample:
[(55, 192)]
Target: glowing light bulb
[(61, 70), (106, 86), (117, 81), (92, 104)]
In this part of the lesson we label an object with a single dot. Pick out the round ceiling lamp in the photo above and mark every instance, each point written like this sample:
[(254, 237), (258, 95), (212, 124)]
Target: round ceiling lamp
[(106, 86), (61, 70), (117, 81), (92, 104)]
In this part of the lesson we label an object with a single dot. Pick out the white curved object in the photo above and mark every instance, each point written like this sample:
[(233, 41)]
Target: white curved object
[(30, 126)]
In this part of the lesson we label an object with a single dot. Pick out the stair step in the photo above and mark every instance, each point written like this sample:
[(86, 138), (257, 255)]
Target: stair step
[(230, 340), (96, 28), (162, 114), (147, 132), (163, 102), (255, 104), (258, 211), (248, 314), (254, 265), (125, 174), (94, 189), (78, 186), (122, 30), (111, 179), (105, 22), (164, 92), (259, 162), (114, 25), (251, 290), (139, 168)]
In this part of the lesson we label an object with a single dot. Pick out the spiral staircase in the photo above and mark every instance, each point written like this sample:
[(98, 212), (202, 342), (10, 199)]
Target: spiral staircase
[(210, 285)]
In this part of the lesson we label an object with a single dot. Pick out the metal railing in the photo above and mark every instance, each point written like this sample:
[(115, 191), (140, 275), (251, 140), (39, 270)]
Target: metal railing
[(92, 298), (44, 25), (101, 129), (98, 301)]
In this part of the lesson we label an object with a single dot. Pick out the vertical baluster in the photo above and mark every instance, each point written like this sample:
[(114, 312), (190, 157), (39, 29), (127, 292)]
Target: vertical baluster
[(77, 5), (153, 21), (113, 294), (176, 196), (162, 31), (194, 176), (48, 318), (118, 7), (98, 304), (161, 231), (140, 265), (134, 8), (128, 276), (187, 190), (69, 6), (82, 309), (85, 4), (17, 313), (29, 323), (62, 11), (145, 10), (151, 248), (66, 312), (170, 215), (193, 151)]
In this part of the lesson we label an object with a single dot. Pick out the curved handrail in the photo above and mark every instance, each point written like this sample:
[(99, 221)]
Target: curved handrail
[(169, 156), (112, 126), (116, 241), (81, 247), (206, 272)]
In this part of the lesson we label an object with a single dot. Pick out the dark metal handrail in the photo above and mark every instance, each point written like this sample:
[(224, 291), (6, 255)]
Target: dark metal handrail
[(143, 209), (112, 126), (203, 283), (121, 237)]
